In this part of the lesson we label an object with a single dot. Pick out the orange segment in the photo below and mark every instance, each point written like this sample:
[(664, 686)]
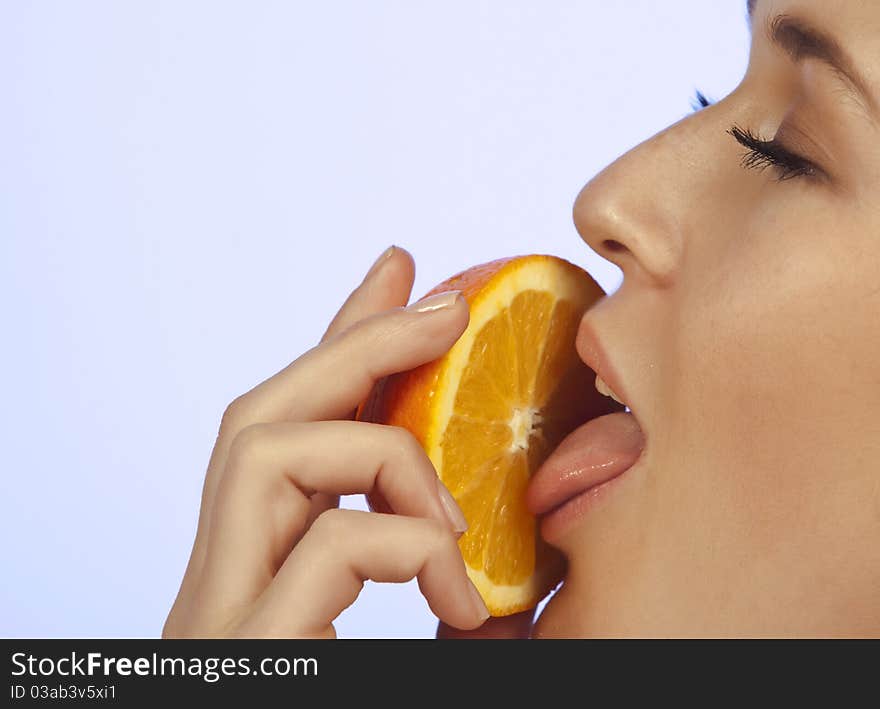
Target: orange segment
[(491, 410)]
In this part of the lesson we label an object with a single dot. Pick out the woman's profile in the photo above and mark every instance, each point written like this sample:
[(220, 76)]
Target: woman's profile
[(745, 334)]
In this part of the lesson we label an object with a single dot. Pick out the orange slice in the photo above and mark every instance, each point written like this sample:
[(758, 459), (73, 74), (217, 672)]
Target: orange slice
[(491, 410)]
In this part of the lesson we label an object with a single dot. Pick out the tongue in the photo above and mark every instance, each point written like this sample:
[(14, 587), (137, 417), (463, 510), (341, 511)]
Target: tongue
[(592, 454)]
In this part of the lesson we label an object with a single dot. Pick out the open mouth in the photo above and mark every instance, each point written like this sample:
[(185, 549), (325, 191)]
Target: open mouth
[(596, 454), (593, 453), (585, 464)]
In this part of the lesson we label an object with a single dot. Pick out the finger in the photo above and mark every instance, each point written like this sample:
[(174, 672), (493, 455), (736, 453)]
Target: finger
[(518, 625), (262, 505), (331, 379), (387, 284), (326, 571)]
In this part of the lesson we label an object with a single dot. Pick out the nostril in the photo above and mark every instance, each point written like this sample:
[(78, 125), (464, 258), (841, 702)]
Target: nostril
[(613, 246)]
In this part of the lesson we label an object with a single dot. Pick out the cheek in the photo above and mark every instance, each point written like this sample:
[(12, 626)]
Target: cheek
[(777, 344)]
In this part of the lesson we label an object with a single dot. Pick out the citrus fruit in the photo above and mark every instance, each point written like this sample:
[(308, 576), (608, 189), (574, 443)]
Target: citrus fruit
[(493, 407)]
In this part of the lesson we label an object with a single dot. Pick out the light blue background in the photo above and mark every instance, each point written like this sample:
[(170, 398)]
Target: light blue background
[(190, 190)]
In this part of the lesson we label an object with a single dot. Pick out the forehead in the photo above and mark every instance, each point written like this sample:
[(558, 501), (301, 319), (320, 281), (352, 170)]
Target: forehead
[(854, 23), (843, 12)]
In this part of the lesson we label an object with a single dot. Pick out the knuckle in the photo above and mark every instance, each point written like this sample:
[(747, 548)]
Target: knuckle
[(404, 442), (439, 540), (330, 525), (235, 416), (247, 446)]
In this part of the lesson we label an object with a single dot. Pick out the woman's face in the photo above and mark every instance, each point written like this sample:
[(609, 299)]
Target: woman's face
[(747, 335)]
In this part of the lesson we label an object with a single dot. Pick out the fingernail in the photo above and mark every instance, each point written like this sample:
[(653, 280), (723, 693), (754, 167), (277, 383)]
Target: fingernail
[(377, 264), (435, 302), (479, 604), (453, 511)]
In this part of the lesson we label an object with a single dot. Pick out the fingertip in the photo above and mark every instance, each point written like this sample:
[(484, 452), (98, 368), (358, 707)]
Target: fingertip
[(469, 613), (392, 280), (400, 252), (481, 613), (379, 264), (459, 627), (451, 511), (508, 627)]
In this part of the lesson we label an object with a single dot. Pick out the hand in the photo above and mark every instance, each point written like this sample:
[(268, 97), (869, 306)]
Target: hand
[(274, 556)]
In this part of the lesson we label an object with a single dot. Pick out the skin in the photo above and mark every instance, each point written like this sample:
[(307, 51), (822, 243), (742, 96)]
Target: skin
[(746, 333)]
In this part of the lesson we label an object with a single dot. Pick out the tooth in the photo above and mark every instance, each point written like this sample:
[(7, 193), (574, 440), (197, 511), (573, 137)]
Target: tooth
[(603, 388)]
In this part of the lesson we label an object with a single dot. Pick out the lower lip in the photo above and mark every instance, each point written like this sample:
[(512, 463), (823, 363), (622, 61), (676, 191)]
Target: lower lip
[(560, 520)]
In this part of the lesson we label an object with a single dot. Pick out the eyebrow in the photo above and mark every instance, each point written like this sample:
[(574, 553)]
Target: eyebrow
[(799, 39)]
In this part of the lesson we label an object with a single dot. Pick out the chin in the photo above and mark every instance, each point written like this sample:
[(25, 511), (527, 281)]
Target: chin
[(562, 617)]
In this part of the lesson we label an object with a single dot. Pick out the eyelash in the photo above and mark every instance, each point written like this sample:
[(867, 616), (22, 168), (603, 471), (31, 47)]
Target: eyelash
[(765, 153)]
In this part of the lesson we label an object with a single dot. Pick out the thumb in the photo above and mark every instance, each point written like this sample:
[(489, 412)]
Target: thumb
[(518, 625)]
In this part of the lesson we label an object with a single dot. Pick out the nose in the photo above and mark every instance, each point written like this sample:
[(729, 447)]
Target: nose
[(632, 213)]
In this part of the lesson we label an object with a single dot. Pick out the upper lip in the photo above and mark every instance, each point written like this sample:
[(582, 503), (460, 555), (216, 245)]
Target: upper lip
[(594, 355)]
